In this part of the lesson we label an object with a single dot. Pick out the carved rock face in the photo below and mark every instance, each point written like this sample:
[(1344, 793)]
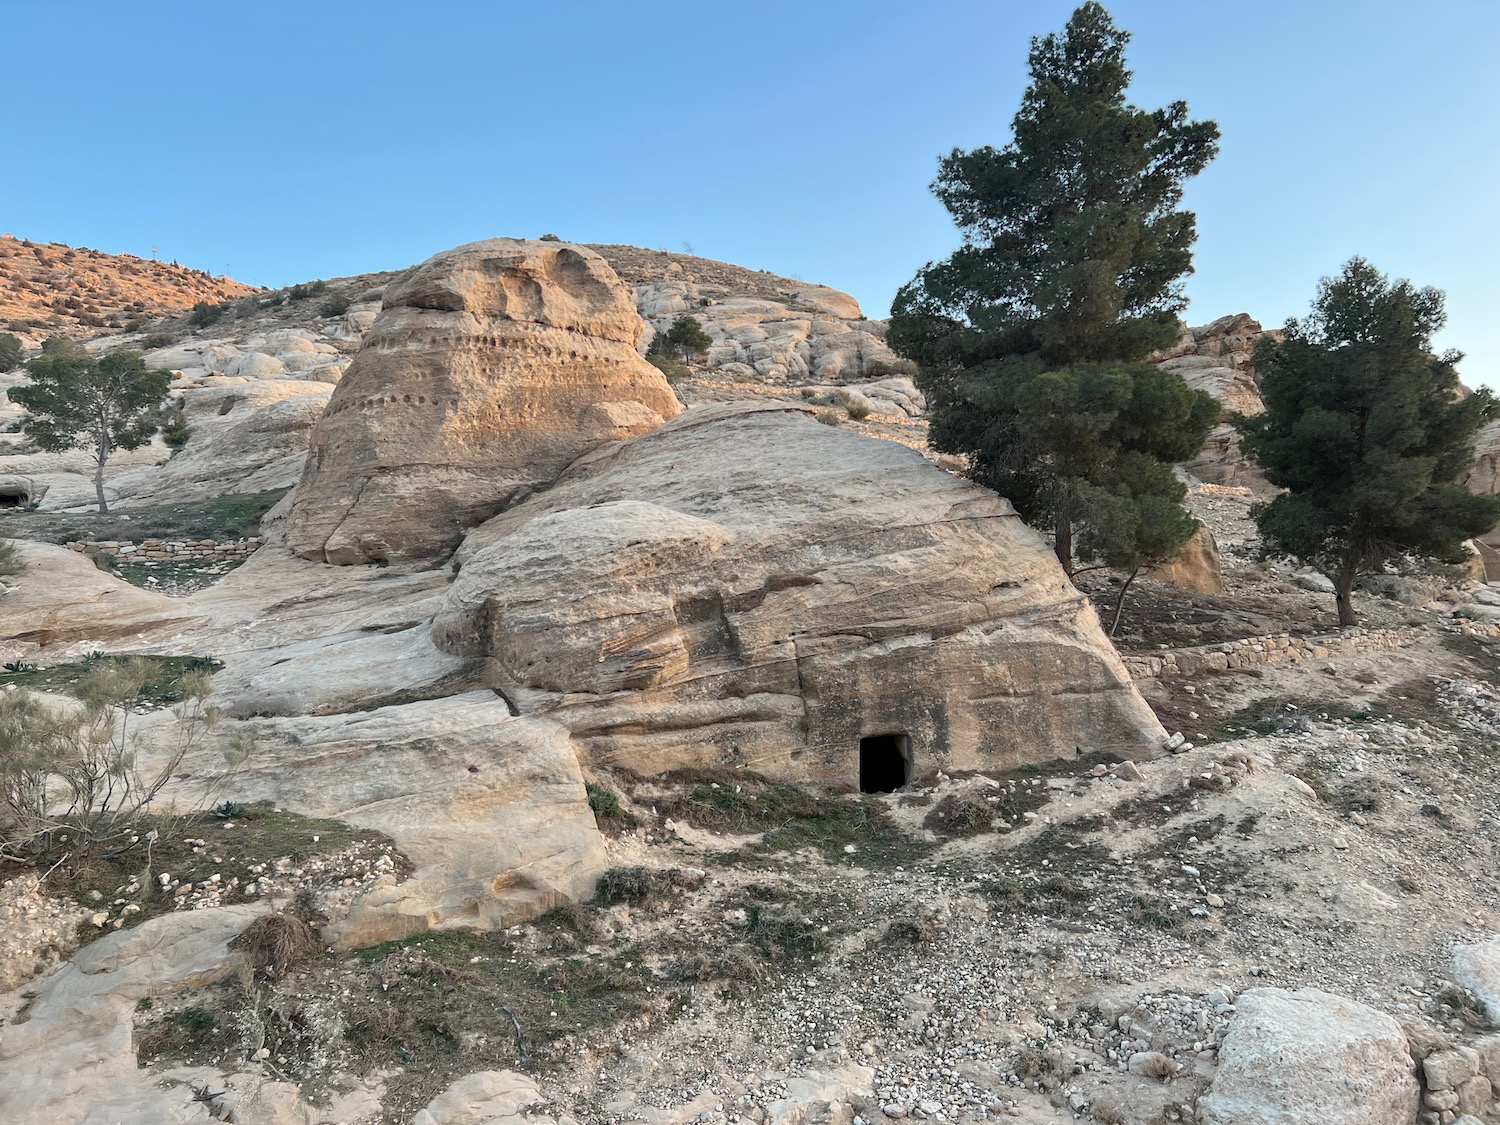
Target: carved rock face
[(490, 368), (747, 586)]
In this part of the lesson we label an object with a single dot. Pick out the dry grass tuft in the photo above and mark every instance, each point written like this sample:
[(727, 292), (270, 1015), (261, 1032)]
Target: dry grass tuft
[(274, 942)]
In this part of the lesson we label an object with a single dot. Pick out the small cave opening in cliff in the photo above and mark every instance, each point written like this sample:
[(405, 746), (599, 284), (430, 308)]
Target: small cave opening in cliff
[(13, 499), (884, 764)]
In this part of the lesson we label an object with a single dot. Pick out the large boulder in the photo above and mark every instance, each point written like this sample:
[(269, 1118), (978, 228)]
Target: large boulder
[(1291, 1057), (1197, 568), (490, 368), (747, 586)]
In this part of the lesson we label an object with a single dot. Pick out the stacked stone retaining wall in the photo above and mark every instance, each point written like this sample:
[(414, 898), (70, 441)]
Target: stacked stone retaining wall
[(165, 550), (1277, 648)]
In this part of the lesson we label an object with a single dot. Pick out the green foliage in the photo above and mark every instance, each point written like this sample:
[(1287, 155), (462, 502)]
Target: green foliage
[(10, 351), (550, 238), (154, 340), (1031, 338), (635, 885), (856, 407), (174, 429), (1368, 431), (336, 305), (674, 371), (10, 559), (306, 289), (204, 314), (685, 338), (73, 781), (603, 801), (77, 401)]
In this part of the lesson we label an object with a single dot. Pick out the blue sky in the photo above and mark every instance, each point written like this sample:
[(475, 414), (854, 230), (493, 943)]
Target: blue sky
[(283, 141)]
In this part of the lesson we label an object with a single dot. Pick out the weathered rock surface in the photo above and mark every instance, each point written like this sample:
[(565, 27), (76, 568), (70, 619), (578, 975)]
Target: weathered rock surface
[(748, 586), (777, 328), (1298, 1056), (490, 368), (245, 436), (62, 599), (1218, 358), (74, 1046), (1477, 968), (1198, 568), (489, 807)]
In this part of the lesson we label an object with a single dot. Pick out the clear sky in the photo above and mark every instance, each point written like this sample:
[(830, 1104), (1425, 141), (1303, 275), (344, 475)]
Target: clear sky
[(279, 141)]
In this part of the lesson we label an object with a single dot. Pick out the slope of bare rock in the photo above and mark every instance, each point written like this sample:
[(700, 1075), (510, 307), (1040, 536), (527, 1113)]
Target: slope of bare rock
[(489, 807), (74, 1044), (246, 436), (490, 368), (747, 586), (763, 326), (63, 604)]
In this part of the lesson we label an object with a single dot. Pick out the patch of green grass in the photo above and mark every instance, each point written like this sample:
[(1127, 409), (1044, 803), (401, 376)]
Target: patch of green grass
[(605, 802), (782, 935), (234, 516), (162, 688), (231, 846)]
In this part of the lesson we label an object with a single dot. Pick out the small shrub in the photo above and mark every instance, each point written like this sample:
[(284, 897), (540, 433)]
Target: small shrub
[(337, 305), (10, 559), (830, 417), (783, 937), (154, 340), (174, 429), (550, 238), (204, 314), (854, 406), (808, 394), (959, 814), (674, 371), (303, 290), (274, 942), (634, 885), (604, 801), (10, 351)]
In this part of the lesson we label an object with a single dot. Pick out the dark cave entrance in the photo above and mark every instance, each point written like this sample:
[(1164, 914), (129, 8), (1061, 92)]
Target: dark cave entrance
[(12, 499), (884, 763)]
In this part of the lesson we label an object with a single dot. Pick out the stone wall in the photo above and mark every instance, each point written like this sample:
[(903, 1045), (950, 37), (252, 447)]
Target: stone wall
[(164, 550), (1277, 648)]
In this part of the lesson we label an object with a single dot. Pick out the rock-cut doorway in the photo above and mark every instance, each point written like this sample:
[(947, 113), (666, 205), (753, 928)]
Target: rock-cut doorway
[(884, 763)]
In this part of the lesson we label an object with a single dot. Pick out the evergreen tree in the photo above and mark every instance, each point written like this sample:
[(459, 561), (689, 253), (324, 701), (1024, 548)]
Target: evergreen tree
[(76, 401), (10, 351), (1368, 431), (1031, 338), (687, 337)]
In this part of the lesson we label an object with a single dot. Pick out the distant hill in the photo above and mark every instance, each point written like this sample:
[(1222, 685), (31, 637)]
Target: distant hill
[(48, 287)]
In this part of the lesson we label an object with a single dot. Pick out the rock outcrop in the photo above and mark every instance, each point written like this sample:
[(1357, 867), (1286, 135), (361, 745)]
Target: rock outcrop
[(1218, 358), (766, 327), (747, 586), (1197, 568), (490, 368), (1305, 1055), (1477, 968)]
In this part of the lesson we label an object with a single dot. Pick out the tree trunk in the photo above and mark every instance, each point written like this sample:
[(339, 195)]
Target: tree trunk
[(103, 456), (1062, 540), (1343, 596), (1120, 602)]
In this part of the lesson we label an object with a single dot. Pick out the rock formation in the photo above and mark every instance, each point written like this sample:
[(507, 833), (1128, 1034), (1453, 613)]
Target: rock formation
[(1217, 358), (747, 586), (489, 369), (769, 328), (1293, 1057)]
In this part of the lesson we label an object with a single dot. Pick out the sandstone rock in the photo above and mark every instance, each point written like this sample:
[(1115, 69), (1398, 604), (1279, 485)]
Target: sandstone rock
[(748, 586), (490, 808), (1298, 1056), (74, 1046), (247, 438), (490, 368), (1197, 568), (1477, 968), (480, 1099), (61, 598)]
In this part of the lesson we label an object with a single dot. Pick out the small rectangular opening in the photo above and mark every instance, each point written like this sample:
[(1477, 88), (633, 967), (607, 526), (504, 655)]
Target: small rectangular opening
[(13, 500), (884, 763)]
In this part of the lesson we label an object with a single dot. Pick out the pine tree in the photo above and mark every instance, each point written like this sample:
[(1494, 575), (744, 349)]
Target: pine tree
[(76, 401), (1368, 431), (1031, 338)]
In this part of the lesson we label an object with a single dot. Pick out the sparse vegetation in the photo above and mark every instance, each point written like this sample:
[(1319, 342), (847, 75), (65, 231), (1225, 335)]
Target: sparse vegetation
[(205, 314), (10, 351), (674, 371)]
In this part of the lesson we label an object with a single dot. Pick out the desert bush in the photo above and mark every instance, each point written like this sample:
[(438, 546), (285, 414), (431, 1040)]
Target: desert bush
[(72, 782), (604, 801), (671, 368), (336, 305), (550, 238), (959, 814), (174, 429), (10, 351), (154, 340), (635, 885), (306, 289), (274, 942), (204, 314), (829, 417), (10, 559), (854, 406)]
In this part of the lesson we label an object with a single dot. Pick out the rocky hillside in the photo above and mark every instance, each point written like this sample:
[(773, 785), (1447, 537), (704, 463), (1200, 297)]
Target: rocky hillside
[(49, 288)]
